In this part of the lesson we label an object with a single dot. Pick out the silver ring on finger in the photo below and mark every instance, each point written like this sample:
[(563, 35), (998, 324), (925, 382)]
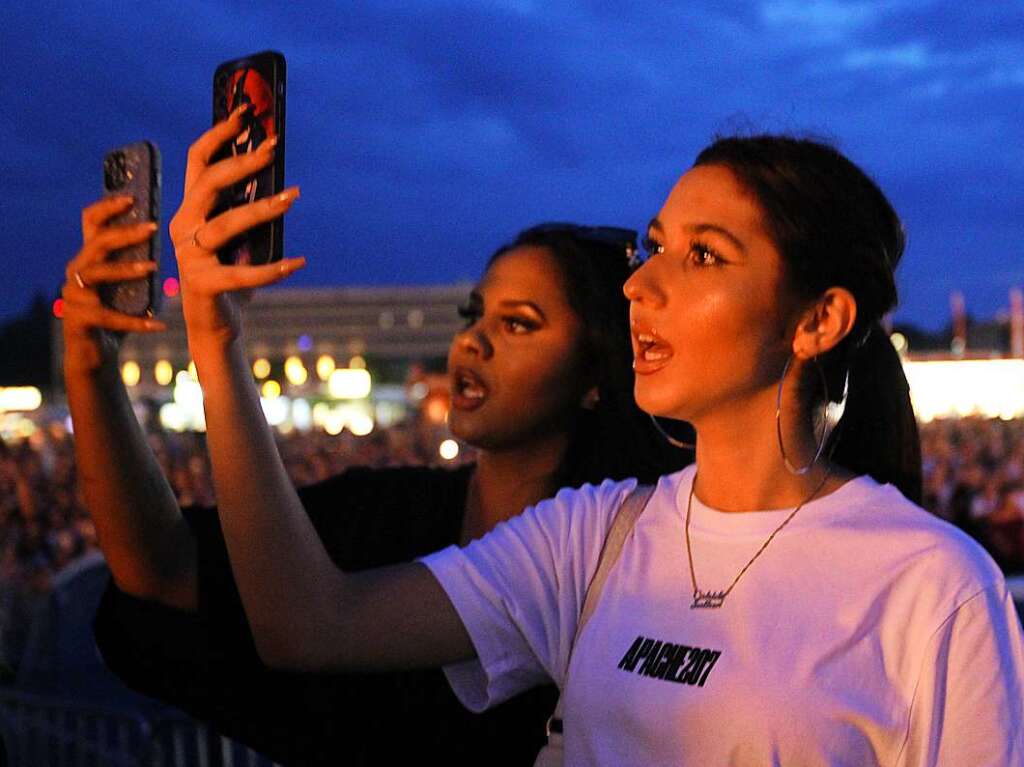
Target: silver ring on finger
[(79, 281), (194, 239)]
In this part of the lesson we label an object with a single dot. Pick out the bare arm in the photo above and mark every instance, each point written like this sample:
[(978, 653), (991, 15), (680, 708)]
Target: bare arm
[(143, 535), (304, 612)]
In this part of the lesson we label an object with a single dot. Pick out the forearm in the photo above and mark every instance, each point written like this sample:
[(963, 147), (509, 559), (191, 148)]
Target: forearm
[(143, 535), (287, 581)]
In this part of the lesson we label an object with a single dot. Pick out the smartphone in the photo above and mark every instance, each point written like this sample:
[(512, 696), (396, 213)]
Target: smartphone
[(134, 170), (259, 82)]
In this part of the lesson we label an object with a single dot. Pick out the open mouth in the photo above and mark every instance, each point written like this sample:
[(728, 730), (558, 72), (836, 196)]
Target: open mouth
[(650, 351), (468, 389), (651, 348)]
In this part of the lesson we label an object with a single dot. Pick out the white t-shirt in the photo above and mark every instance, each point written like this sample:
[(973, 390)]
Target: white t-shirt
[(868, 632)]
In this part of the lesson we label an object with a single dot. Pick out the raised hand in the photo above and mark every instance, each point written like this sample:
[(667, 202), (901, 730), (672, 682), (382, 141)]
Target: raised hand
[(209, 289), (91, 330)]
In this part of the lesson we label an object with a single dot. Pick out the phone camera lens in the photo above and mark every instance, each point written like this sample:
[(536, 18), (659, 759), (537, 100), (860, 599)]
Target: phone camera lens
[(115, 171)]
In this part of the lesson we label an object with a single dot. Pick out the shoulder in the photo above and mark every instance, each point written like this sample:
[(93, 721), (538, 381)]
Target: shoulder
[(937, 559), (585, 510)]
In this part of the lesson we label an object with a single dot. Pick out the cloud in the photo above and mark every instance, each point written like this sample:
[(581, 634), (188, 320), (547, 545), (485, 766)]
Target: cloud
[(829, 21), (912, 56), (424, 134)]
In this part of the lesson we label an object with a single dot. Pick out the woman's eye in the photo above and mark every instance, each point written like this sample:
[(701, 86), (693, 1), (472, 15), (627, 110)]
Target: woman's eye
[(516, 325), (651, 247), (704, 255)]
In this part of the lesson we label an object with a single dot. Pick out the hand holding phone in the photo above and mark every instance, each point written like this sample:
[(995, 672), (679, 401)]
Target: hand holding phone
[(134, 171), (227, 233), (258, 83)]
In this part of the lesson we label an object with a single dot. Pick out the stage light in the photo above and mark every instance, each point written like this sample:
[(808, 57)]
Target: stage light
[(961, 388), (295, 371), (360, 424), (163, 372), (131, 373), (172, 417), (302, 415), (346, 383), (20, 398), (261, 368), (324, 366), (275, 409)]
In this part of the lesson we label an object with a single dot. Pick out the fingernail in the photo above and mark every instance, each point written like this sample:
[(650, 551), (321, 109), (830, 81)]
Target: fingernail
[(153, 325), (288, 194), (240, 110), (151, 226), (269, 144)]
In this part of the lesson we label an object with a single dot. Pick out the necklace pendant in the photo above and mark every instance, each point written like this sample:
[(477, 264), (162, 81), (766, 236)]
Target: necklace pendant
[(707, 599)]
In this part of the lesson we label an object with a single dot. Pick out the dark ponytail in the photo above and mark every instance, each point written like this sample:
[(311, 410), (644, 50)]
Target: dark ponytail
[(834, 227), (878, 432)]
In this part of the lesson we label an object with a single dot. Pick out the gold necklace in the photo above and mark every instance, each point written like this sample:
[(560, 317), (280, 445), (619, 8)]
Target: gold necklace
[(714, 599)]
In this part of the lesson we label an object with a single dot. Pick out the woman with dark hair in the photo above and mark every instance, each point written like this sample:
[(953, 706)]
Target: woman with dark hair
[(771, 605), (541, 386)]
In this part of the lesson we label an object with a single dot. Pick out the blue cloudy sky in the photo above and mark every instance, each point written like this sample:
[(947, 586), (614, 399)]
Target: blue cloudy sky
[(425, 134)]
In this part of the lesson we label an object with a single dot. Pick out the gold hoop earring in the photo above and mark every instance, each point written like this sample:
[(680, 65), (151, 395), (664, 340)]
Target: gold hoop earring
[(670, 439), (800, 470)]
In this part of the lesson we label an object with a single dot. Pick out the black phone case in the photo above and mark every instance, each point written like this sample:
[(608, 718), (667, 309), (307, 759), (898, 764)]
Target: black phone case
[(257, 80), (134, 169)]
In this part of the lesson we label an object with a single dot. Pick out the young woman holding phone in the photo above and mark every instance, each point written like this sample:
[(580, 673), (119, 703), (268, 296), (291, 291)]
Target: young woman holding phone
[(782, 601), (542, 387)]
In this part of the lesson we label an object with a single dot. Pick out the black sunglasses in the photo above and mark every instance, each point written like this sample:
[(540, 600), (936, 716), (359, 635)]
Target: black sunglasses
[(614, 236)]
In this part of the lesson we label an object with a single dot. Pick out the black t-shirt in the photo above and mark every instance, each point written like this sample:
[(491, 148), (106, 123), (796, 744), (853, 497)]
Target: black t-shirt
[(206, 663)]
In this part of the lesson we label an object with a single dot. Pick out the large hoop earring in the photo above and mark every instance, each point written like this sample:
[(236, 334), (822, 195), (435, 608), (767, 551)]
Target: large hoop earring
[(670, 439), (801, 470)]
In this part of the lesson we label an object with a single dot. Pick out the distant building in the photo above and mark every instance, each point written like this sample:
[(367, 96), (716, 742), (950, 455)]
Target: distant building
[(391, 328)]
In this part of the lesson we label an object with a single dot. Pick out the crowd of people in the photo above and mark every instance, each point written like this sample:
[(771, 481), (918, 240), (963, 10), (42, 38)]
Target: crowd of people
[(973, 477), (44, 524)]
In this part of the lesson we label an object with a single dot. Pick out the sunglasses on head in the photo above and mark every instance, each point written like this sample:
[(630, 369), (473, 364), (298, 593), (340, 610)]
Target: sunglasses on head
[(614, 236)]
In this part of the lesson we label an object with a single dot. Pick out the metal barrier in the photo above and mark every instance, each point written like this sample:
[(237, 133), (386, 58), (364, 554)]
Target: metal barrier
[(42, 731)]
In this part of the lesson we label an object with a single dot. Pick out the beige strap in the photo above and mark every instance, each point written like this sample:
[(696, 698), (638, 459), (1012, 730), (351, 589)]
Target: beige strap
[(631, 509), (625, 519)]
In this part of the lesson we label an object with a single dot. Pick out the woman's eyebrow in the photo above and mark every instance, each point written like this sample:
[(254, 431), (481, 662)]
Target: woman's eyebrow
[(701, 228), (655, 225), (511, 303)]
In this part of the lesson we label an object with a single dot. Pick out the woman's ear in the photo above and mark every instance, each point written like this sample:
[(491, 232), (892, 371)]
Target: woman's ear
[(590, 398), (825, 323)]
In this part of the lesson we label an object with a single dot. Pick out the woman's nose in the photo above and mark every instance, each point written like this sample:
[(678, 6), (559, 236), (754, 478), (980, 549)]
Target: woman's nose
[(642, 286), (475, 341)]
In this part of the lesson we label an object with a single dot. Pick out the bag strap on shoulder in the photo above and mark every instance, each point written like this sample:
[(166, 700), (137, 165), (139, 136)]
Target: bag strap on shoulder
[(622, 526)]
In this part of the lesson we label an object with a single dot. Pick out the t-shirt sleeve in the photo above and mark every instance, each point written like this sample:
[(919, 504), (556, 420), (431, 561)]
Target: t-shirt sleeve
[(968, 706), (519, 591)]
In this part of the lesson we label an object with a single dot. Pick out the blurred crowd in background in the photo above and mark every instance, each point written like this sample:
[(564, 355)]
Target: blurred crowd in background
[(44, 524), (973, 477)]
